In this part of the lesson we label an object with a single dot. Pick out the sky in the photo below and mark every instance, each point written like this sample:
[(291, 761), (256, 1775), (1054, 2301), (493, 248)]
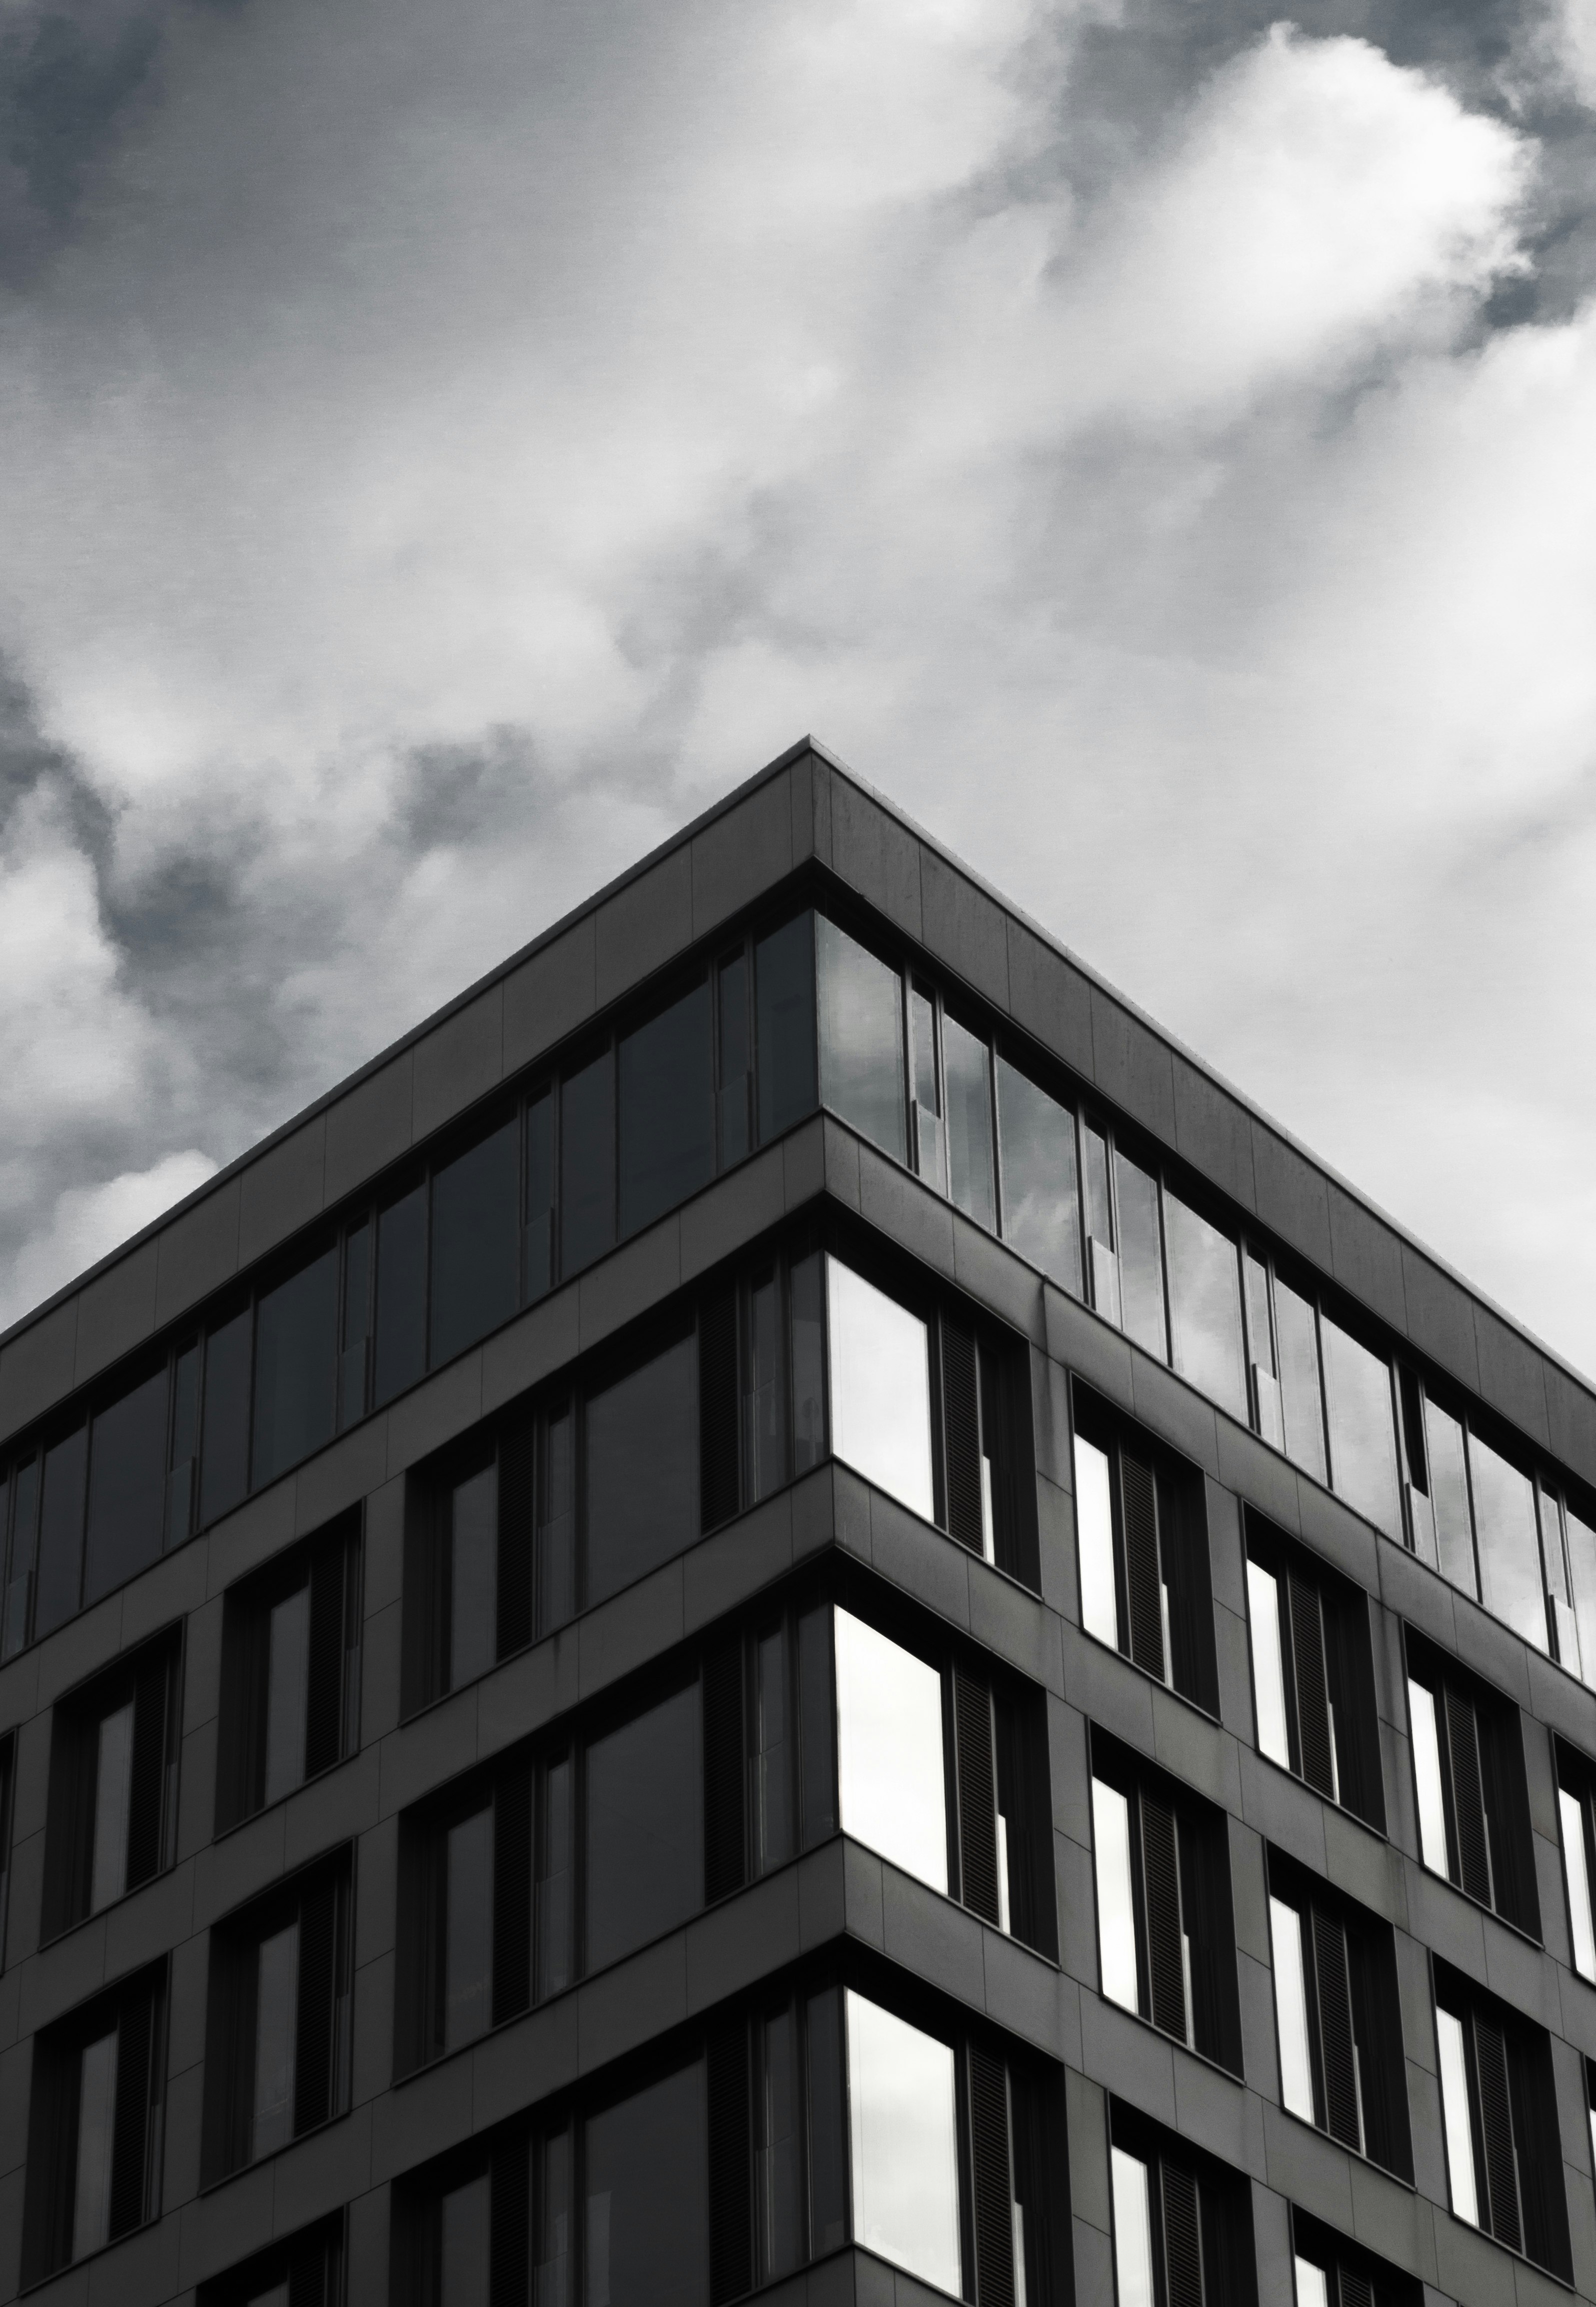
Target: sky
[(442, 448)]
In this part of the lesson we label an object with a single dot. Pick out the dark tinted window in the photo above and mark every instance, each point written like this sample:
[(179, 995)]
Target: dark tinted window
[(784, 1026), (126, 1487), (587, 1163), (647, 2228), (862, 1038), (20, 1568), (1041, 1198), (224, 1464), (401, 1295), (642, 1465), (474, 1244), (296, 1367), (733, 1118), (61, 1531), (667, 1110), (645, 1856), (540, 1196)]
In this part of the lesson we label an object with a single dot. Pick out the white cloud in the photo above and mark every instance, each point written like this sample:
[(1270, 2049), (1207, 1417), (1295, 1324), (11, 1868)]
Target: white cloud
[(90, 1220)]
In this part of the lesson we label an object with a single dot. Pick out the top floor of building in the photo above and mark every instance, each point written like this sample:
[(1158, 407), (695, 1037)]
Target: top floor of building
[(800, 946)]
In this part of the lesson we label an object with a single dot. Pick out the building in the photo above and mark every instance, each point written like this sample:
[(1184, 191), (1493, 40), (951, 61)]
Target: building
[(785, 1608)]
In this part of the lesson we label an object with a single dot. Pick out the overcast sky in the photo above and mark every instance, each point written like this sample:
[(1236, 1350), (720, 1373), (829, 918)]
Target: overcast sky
[(442, 447)]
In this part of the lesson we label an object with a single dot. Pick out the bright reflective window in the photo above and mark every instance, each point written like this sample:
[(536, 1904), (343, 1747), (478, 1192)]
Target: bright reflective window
[(1362, 1435), (862, 1038), (966, 1068), (1450, 1496), (1094, 1532), (1509, 1543), (1301, 1402), (1141, 1257), (889, 1750), (1572, 1812), (113, 1793), (277, 1996), (1133, 2231), (1426, 1774), (903, 2139), (881, 1388), (1290, 2008), (1041, 1215), (1268, 1681), (96, 2125), (288, 1680), (1116, 1904), (1454, 2109), (1582, 1568), (1206, 1307), (469, 1929), (473, 1576), (1312, 2286)]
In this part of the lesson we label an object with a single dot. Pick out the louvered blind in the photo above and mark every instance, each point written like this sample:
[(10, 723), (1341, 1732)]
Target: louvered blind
[(993, 2185), (977, 1795), (961, 1431), (1143, 1580)]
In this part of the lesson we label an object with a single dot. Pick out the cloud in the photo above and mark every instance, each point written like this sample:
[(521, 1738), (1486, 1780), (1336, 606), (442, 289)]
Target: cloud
[(439, 453), (88, 1221)]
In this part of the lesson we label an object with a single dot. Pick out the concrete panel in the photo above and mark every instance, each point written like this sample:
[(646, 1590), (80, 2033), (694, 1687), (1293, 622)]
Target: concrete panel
[(1132, 1067), (1212, 1132), (964, 928), (876, 854), (643, 926), (550, 995), (1052, 1000), (460, 1061), (1293, 1197), (197, 1252), (1510, 1375), (369, 1127), (38, 1367), (282, 1190), (741, 854), (1366, 1258), (116, 1312), (527, 1351), (735, 1211)]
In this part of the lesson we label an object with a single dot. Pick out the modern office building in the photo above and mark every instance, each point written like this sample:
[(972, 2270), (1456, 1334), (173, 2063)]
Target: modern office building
[(785, 1609)]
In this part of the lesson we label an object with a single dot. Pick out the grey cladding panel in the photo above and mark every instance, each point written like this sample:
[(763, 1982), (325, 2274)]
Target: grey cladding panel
[(642, 926), (369, 1127), (876, 854), (1571, 1422), (1214, 1132), (199, 1252), (964, 928), (38, 1367), (1049, 999), (116, 1311), (282, 1190), (741, 854), (1293, 1200), (1440, 1316), (1366, 1258), (460, 1061), (1132, 1067), (550, 995), (1510, 1375)]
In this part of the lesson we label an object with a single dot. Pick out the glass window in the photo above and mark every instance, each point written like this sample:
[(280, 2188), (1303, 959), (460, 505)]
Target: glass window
[(881, 1388), (930, 1151), (817, 1706), (61, 1531), (555, 1879), (1206, 1307), (1363, 1435), (475, 1230), (732, 1117), (296, 1368), (288, 1691), (463, 2251), (808, 1364), (473, 1575), (96, 2126), (1301, 1402), (1450, 1496), (552, 2234), (113, 1796), (645, 1856), (24, 1540), (1454, 2108), (277, 2007), (1571, 1811), (903, 2137), (401, 1295), (355, 1336), (773, 1752), (1426, 1774), (540, 1197), (862, 1038), (778, 2160), (587, 1163), (645, 2170), (127, 1487), (1582, 1567), (1558, 1594), (765, 1401), (1133, 2231), (967, 1063), (1116, 1901), (185, 1447), (642, 1466), (556, 1520), (1311, 2285), (784, 1026), (1102, 1262), (224, 1463), (1509, 1547), (1290, 2008), (469, 1929), (667, 1110), (889, 1750), (1041, 1198), (1268, 1681), (1141, 1258), (1265, 1369), (1095, 1528)]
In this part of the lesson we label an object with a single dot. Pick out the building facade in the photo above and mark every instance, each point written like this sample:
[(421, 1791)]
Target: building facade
[(787, 1610)]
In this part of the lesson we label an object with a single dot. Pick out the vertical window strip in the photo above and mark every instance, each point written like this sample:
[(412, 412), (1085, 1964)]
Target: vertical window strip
[(1573, 1810)]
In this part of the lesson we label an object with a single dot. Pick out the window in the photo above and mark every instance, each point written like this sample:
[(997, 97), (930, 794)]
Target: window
[(644, 1857), (1332, 2272), (307, 2271), (475, 1233), (1206, 1305), (1338, 2017), (1577, 1815), (640, 1468), (1312, 1673), (1142, 1536), (667, 1109), (113, 1800), (1166, 1938), (1500, 2112), (468, 1566), (1362, 1435), (466, 1940), (881, 1388), (95, 2127), (276, 2037), (1182, 2221), (903, 2130), (127, 1486), (889, 1750), (1473, 1801), (8, 1767), (296, 1407), (1040, 1195), (784, 1026), (860, 1007), (290, 1701)]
